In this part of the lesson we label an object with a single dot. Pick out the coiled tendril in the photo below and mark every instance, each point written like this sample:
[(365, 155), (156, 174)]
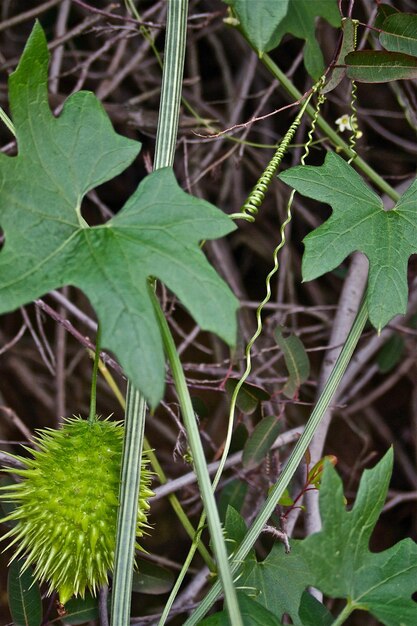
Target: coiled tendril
[(281, 244), (253, 202), (354, 112)]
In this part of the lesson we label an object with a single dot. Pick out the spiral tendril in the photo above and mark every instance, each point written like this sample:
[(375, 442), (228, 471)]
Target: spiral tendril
[(257, 195), (253, 202), (269, 277), (354, 112)]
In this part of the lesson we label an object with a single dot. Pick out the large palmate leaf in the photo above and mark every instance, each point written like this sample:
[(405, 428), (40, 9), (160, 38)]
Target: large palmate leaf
[(278, 582), (48, 243), (337, 560), (359, 222), (265, 23), (340, 562)]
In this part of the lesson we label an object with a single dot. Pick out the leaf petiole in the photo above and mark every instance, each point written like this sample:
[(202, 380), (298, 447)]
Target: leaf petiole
[(93, 395), (342, 617)]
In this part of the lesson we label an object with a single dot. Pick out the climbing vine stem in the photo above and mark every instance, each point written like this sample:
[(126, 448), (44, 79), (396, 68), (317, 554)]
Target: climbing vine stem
[(199, 461), (93, 395), (294, 460)]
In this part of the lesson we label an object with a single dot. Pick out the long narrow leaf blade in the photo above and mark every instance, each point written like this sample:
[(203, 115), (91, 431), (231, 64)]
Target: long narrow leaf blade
[(348, 45), (375, 66), (24, 596), (128, 511), (260, 442), (81, 610), (296, 361), (399, 33)]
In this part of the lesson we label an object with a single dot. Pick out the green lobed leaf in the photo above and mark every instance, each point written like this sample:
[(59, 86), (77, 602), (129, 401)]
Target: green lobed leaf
[(24, 596), (265, 23), (378, 66), (296, 361), (400, 33), (337, 560), (312, 612), (253, 614), (359, 222), (338, 556), (260, 442), (280, 581), (48, 243)]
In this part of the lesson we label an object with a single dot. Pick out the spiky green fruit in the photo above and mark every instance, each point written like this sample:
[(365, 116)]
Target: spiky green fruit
[(67, 502)]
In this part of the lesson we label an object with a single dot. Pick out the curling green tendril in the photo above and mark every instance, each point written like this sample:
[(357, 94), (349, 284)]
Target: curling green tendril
[(353, 123), (256, 197), (354, 112), (273, 271), (320, 100)]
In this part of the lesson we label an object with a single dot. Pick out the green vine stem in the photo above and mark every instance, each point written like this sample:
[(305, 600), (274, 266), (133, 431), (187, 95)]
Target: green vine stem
[(128, 509), (293, 461), (213, 520), (159, 472), (345, 613), (169, 106), (135, 405), (93, 394), (173, 69)]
